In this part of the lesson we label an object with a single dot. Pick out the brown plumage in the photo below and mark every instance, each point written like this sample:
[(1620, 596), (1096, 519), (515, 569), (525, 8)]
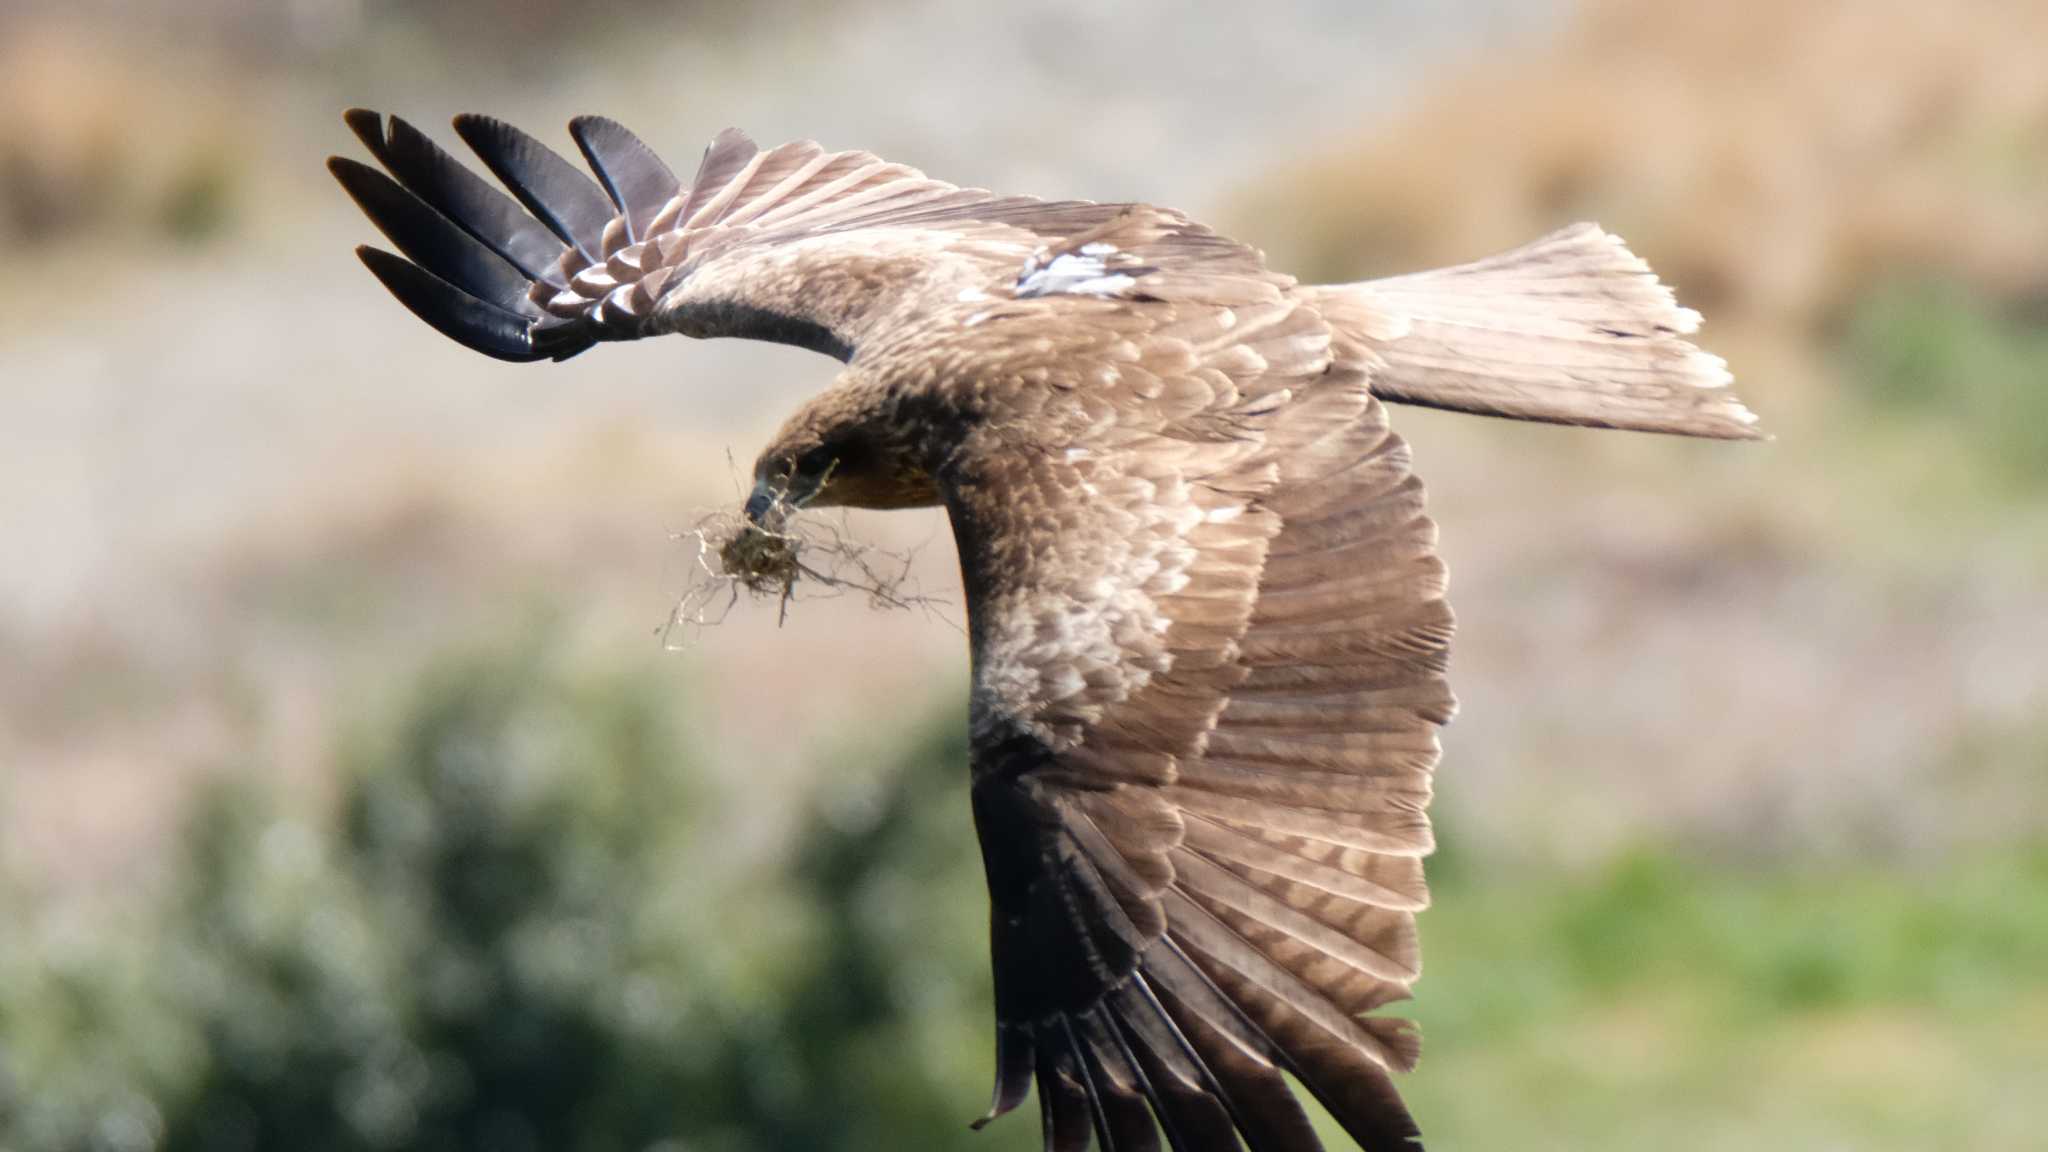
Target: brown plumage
[(1206, 611)]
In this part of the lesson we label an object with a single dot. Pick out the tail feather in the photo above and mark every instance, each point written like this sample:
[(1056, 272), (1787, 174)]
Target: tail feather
[(1571, 329)]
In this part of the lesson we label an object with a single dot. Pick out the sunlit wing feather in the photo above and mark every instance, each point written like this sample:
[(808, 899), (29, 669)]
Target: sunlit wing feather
[(1202, 815)]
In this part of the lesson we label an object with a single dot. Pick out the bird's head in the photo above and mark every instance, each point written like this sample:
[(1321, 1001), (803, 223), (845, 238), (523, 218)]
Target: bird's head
[(844, 448)]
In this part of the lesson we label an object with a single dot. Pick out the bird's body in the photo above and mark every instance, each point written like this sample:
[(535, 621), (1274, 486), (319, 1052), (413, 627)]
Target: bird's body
[(1207, 617)]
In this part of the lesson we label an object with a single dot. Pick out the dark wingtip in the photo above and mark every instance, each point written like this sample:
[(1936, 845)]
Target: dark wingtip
[(731, 137), (594, 136), (363, 121), (356, 178), (560, 196), (473, 323), (466, 123), (636, 179), (589, 127), (1015, 1054), (433, 241), (471, 203), (368, 127), (352, 174)]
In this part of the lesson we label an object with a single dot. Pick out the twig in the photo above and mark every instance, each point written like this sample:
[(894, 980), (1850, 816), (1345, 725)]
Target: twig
[(788, 552)]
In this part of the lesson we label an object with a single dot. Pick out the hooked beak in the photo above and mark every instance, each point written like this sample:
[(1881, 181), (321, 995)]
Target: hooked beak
[(760, 501)]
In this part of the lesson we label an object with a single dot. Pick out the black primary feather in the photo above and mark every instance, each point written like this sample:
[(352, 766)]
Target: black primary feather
[(1015, 1060), (1186, 1097), (468, 199), (432, 241), (456, 314), (552, 189), (1126, 1119), (1064, 1108), (638, 182)]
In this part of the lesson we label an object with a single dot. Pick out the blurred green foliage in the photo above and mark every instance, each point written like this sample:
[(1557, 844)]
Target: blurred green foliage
[(523, 927), (1660, 1001), (199, 201), (1938, 352), (506, 939)]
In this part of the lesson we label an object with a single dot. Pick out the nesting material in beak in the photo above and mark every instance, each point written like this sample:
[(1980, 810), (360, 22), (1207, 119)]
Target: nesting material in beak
[(762, 559), (771, 548)]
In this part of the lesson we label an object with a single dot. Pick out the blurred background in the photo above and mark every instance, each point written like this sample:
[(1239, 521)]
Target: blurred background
[(350, 799)]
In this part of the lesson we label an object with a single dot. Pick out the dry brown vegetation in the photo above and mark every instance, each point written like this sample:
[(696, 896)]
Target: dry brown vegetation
[(1774, 159), (108, 140)]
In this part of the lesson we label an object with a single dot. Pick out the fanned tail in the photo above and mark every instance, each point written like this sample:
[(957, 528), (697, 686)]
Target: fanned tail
[(1571, 329)]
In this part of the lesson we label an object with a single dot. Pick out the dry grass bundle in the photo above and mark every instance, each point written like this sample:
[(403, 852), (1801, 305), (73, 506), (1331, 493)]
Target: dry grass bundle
[(791, 555)]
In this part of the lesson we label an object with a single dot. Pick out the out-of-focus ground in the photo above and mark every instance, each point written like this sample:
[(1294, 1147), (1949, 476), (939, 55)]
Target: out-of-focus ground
[(1745, 804)]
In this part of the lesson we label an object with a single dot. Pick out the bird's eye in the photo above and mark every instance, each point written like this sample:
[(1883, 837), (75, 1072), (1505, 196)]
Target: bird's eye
[(816, 461)]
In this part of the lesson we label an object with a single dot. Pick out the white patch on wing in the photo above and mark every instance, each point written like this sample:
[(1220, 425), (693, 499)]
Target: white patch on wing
[(1085, 272)]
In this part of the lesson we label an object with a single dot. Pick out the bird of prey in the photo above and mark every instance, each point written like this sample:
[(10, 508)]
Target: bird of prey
[(1205, 607)]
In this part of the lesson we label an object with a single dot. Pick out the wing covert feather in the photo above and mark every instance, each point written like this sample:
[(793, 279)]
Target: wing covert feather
[(1244, 783)]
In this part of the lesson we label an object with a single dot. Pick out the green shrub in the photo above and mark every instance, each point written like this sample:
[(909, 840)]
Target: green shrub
[(524, 925), (1939, 353), (518, 932)]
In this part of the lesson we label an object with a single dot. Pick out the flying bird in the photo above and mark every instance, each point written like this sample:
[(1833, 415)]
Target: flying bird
[(1205, 606)]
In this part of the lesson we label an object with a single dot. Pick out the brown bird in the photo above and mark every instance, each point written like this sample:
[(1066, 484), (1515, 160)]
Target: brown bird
[(1206, 611)]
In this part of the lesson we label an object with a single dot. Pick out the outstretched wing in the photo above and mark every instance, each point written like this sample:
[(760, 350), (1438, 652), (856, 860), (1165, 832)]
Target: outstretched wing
[(794, 244), (1209, 642)]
